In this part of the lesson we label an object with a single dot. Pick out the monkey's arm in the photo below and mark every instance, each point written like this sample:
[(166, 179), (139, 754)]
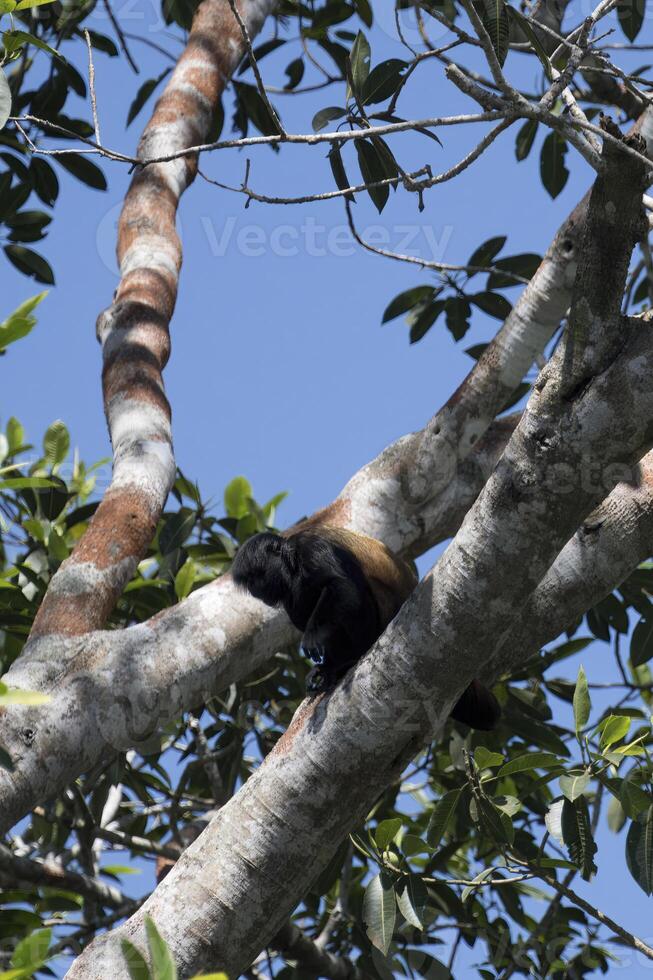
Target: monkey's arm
[(312, 645), (342, 626)]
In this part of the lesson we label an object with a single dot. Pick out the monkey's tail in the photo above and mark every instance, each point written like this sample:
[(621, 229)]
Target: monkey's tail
[(478, 708)]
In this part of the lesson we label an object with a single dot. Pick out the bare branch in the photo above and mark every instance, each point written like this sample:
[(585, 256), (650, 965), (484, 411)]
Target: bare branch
[(41, 873), (121, 36), (91, 84)]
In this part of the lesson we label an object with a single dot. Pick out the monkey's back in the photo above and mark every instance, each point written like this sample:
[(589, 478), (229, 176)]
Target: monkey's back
[(390, 578)]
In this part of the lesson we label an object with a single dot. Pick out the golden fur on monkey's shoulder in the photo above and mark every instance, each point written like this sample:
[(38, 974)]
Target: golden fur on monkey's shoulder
[(391, 579)]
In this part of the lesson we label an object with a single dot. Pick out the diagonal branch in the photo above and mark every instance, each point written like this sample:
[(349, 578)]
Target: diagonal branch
[(22, 869), (235, 886), (111, 689), (608, 546)]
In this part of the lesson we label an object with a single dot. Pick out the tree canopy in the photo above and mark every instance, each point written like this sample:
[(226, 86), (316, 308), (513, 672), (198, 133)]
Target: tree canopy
[(153, 719)]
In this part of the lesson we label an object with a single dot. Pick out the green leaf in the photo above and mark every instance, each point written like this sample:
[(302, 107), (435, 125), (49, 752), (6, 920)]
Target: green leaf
[(470, 889), (143, 94), (383, 81), (237, 495), (15, 434), (103, 43), (210, 976), (185, 579), (327, 115), (423, 317), (497, 824), (26, 4), (83, 169), (386, 831), (525, 264), (163, 965), (533, 39), (136, 962), (5, 99), (377, 163), (15, 329), (486, 252), (56, 443), (407, 301), (634, 799), (27, 307), (31, 952), (582, 703), (413, 900), (14, 39), (613, 729), (641, 641), (639, 851), (30, 263), (496, 22), (509, 805), (359, 61), (494, 304), (525, 139), (529, 762), (577, 836), (574, 785), (364, 12), (630, 14), (553, 171), (339, 172), (441, 816), (457, 313), (176, 530), (616, 815), (485, 759), (260, 52), (295, 72), (379, 912)]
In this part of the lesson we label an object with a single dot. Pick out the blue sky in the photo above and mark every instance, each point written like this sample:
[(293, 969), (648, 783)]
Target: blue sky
[(280, 369)]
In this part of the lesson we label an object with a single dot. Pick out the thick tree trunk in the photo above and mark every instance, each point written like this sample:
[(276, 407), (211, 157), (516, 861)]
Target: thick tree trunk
[(232, 890)]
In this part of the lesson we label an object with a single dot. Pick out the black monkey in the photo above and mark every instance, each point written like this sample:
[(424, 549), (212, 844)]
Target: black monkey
[(341, 589)]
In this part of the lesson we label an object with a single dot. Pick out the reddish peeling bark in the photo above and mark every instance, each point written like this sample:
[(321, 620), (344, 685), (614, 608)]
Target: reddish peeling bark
[(134, 331)]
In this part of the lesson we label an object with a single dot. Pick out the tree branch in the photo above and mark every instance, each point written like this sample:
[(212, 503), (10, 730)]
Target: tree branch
[(353, 742), (134, 332), (38, 873)]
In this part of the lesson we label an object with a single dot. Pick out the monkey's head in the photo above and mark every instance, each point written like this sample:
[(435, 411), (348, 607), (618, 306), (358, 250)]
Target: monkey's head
[(264, 566)]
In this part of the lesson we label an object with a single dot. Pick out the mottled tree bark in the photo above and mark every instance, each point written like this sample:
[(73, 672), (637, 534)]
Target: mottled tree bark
[(134, 331), (231, 891)]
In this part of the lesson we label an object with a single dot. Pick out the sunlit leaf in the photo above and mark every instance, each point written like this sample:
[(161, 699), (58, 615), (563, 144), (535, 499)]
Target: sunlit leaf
[(379, 912), (582, 703)]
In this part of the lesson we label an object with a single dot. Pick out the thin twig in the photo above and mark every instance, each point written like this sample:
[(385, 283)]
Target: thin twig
[(121, 37), (425, 263), (207, 759), (91, 86), (36, 872), (255, 68)]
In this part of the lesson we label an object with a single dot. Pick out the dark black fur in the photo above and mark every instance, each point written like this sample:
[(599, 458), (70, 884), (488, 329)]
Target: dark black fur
[(327, 596), (323, 589)]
